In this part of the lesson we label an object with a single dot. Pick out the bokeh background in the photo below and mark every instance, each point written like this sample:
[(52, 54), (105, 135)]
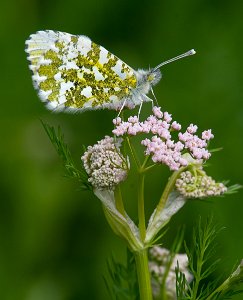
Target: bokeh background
[(54, 239)]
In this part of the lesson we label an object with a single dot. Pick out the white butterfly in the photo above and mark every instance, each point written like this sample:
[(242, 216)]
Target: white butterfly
[(73, 73)]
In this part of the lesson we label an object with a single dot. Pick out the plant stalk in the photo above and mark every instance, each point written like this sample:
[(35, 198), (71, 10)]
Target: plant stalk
[(133, 153), (141, 214), (143, 274), (119, 202), (168, 189)]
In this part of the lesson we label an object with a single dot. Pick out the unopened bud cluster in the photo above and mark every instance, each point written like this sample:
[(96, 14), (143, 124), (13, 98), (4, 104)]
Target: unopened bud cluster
[(165, 147), (159, 259), (105, 164), (198, 185)]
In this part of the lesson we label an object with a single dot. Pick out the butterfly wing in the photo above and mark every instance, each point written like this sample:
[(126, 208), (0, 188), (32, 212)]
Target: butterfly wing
[(73, 73)]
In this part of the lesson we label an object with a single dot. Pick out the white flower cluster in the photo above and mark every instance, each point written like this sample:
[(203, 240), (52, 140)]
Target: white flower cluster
[(105, 164), (199, 185), (159, 258)]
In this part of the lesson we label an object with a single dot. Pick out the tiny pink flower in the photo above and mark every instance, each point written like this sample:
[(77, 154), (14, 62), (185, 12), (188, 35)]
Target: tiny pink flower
[(146, 127), (117, 121), (133, 119), (207, 135), (183, 162), (167, 117), (170, 144), (131, 130), (184, 137), (152, 120), (165, 125), (157, 112), (192, 128), (206, 154), (197, 153), (176, 126), (179, 146)]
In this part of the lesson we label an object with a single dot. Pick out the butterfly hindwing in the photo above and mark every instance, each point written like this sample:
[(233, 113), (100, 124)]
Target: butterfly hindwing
[(72, 72)]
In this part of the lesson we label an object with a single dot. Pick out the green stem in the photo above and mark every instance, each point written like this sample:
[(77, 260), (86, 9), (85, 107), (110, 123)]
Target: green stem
[(133, 153), (141, 214), (168, 189), (163, 294), (165, 275), (149, 168), (197, 275), (219, 289), (118, 200), (143, 274), (145, 162)]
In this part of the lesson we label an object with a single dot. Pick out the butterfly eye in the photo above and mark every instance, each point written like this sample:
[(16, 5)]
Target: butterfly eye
[(150, 77)]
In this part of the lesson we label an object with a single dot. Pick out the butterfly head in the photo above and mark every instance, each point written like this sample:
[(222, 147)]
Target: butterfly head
[(154, 76), (147, 78)]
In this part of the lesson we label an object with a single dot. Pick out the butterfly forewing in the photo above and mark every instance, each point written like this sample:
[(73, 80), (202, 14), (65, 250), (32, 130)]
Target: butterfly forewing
[(72, 72)]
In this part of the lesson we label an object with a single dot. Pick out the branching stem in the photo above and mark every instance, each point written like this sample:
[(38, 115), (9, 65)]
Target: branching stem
[(133, 153)]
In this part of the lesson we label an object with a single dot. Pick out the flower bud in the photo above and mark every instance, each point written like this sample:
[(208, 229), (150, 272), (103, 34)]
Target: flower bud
[(105, 164), (198, 185)]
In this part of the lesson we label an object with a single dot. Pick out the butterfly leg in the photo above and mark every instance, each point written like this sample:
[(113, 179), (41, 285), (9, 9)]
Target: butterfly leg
[(146, 99), (123, 104), (140, 107), (156, 101)]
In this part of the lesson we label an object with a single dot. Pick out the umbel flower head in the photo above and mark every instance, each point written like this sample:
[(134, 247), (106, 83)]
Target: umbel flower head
[(162, 147), (198, 185), (105, 164), (158, 265)]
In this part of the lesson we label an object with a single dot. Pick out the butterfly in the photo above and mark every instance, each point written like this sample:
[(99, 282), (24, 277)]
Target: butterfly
[(72, 73)]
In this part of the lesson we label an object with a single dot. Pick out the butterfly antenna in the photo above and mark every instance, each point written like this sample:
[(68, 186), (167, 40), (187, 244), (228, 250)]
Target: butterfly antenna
[(188, 53)]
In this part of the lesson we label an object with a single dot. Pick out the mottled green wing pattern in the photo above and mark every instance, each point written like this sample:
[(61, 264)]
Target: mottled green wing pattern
[(72, 72)]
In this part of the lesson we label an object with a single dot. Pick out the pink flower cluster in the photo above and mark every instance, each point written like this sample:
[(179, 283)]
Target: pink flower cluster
[(161, 146)]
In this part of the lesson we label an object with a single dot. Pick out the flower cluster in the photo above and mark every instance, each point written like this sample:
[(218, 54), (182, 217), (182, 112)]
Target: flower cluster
[(198, 185), (159, 259), (161, 146), (105, 164)]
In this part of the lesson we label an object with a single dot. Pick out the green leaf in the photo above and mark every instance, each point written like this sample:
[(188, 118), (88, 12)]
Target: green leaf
[(183, 288), (233, 189), (202, 262), (230, 286), (121, 281), (201, 258), (123, 226), (173, 251), (71, 171)]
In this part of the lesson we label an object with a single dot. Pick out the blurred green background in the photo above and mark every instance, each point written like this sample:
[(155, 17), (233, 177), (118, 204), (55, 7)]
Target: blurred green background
[(54, 240)]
